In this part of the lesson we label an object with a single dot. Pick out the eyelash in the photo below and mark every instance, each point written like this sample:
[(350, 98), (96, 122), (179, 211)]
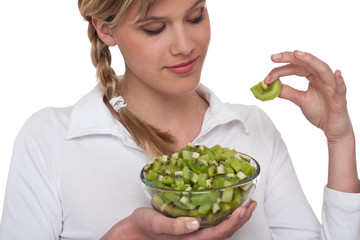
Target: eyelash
[(197, 20), (157, 32), (154, 33)]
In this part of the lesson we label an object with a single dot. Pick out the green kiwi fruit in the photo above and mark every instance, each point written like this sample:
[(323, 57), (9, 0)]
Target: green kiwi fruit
[(266, 92), (200, 169)]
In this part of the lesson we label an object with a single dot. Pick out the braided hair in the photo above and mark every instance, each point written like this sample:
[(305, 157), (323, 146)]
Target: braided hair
[(151, 140)]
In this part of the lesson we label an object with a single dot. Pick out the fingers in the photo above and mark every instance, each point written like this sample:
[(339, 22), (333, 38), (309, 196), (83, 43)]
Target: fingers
[(339, 98), (340, 85), (286, 70), (243, 215), (302, 64), (228, 227), (297, 96), (154, 224), (236, 220)]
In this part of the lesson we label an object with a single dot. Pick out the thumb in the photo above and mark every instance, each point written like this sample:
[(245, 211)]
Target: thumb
[(176, 226), (292, 94)]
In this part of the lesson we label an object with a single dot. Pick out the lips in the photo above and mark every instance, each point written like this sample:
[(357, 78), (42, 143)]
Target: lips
[(183, 68)]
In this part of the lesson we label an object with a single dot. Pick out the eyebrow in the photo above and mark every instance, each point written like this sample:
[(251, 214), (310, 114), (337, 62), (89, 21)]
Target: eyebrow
[(146, 19)]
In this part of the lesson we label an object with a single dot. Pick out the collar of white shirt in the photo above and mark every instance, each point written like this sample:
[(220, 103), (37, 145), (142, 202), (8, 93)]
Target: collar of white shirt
[(90, 116)]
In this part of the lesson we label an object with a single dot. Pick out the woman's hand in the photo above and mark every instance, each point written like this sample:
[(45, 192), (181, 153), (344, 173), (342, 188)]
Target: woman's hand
[(324, 105), (324, 102), (146, 223)]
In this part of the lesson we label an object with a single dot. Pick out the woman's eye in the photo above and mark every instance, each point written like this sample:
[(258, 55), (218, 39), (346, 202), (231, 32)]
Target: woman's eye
[(154, 32), (197, 20)]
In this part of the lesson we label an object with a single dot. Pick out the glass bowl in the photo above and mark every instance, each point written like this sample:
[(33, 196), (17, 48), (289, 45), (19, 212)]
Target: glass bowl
[(210, 206)]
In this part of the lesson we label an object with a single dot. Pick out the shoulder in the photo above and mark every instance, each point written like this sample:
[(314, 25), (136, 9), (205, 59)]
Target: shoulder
[(49, 117), (47, 122), (38, 141)]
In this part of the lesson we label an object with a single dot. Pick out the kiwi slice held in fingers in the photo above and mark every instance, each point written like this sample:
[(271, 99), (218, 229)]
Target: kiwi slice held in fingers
[(266, 92)]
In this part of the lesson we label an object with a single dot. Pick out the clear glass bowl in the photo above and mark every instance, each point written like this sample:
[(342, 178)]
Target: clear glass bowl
[(210, 206)]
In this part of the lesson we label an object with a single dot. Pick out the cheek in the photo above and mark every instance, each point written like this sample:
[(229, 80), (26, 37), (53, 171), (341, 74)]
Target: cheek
[(205, 35), (139, 53)]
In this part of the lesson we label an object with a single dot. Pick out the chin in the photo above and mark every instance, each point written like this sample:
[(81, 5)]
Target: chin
[(182, 85), (183, 89)]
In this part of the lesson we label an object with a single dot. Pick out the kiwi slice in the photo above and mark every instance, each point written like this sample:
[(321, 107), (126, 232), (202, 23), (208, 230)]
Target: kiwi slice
[(266, 92)]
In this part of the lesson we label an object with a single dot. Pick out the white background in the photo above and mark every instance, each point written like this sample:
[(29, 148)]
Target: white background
[(45, 61)]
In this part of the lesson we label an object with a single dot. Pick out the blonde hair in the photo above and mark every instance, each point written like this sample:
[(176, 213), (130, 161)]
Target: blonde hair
[(150, 139)]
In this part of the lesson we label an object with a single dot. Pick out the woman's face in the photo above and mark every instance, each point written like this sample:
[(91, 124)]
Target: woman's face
[(165, 49)]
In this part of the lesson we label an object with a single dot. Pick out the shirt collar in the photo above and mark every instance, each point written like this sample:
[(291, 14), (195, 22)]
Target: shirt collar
[(218, 112), (90, 116)]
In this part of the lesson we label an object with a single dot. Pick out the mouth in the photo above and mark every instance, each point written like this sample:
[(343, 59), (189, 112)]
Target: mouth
[(183, 68)]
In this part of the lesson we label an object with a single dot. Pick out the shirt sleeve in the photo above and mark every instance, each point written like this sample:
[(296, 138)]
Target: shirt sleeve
[(32, 209), (288, 212), (340, 215)]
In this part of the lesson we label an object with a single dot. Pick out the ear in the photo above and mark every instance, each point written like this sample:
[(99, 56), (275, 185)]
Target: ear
[(104, 31)]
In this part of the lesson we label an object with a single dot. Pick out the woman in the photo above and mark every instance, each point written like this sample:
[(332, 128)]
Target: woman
[(75, 170)]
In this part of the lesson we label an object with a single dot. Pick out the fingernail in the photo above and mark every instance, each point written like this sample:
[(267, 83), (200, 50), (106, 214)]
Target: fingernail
[(340, 74), (267, 79), (242, 212), (192, 226), (253, 206), (300, 53), (276, 56)]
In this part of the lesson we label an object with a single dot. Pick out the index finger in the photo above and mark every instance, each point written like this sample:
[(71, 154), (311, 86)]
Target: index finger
[(313, 64)]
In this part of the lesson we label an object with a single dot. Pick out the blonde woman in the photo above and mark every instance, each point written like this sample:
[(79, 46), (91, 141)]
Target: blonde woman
[(75, 171)]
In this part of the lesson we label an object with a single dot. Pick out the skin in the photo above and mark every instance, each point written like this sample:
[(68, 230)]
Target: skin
[(154, 93)]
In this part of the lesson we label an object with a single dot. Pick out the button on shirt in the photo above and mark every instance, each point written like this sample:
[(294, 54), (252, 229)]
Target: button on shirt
[(75, 173)]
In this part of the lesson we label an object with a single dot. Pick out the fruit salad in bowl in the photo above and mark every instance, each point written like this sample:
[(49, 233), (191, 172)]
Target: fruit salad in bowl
[(207, 183)]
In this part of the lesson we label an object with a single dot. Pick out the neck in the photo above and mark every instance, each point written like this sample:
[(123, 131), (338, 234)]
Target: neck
[(180, 115)]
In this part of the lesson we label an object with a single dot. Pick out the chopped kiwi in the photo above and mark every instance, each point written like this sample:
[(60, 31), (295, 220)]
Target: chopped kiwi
[(196, 168), (202, 179), (204, 208), (266, 92), (174, 211), (198, 165), (227, 195), (207, 197)]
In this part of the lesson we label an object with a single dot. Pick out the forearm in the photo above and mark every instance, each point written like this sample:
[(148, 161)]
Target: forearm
[(124, 229), (343, 174)]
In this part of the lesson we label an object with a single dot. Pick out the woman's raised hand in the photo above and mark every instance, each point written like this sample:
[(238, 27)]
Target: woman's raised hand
[(324, 102), (324, 105), (146, 223)]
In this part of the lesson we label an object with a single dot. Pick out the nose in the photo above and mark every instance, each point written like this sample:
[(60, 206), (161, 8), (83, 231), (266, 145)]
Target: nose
[(182, 43)]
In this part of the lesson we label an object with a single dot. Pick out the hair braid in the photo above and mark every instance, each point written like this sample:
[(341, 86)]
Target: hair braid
[(101, 59), (150, 139)]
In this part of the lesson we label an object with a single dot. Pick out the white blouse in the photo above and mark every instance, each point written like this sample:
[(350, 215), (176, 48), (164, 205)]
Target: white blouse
[(75, 173)]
